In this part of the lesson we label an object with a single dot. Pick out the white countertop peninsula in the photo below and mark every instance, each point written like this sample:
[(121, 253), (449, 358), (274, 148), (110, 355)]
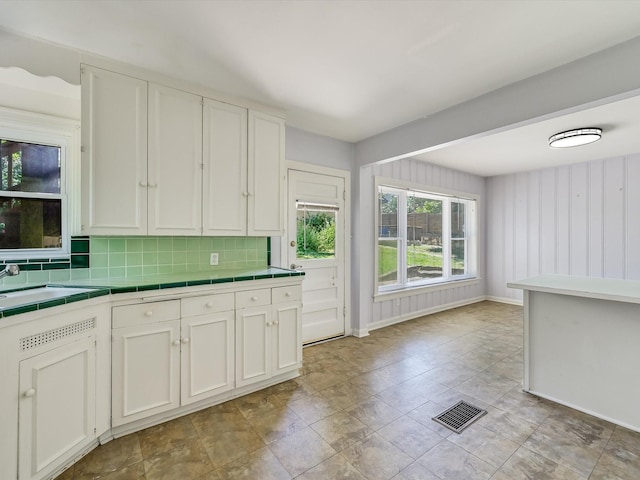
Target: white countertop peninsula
[(582, 344)]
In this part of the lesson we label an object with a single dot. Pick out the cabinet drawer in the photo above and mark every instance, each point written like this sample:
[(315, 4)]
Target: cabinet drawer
[(145, 313), (253, 298), (291, 293), (207, 304)]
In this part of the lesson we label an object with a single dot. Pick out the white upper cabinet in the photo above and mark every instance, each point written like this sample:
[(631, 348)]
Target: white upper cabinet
[(162, 161), (114, 156), (224, 187), (266, 175), (175, 162)]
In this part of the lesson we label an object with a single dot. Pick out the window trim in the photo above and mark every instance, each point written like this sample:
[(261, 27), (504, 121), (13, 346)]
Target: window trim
[(473, 239), (44, 129)]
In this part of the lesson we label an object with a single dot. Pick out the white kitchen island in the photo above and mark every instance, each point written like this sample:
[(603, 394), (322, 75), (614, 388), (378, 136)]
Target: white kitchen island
[(582, 344)]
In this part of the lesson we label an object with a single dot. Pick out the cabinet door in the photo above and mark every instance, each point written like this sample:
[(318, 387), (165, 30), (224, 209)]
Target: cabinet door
[(224, 186), (253, 345), (146, 370), (175, 162), (266, 175), (206, 356), (287, 338), (114, 157), (57, 406)]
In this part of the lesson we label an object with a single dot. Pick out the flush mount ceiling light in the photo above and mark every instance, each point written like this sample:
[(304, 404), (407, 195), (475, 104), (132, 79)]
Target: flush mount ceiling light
[(574, 138)]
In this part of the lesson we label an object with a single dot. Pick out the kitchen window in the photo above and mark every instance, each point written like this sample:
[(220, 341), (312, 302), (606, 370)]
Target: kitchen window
[(424, 237), (33, 198)]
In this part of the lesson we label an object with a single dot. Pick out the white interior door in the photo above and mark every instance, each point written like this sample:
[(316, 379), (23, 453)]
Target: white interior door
[(316, 245)]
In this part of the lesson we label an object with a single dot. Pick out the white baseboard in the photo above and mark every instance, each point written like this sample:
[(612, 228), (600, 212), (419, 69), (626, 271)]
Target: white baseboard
[(510, 301), (360, 332), (426, 311)]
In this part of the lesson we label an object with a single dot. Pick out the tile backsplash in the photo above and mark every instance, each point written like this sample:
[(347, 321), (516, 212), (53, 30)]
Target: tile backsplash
[(118, 257)]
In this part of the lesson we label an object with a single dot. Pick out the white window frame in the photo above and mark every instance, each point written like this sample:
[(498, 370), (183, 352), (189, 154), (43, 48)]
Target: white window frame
[(21, 126), (471, 236)]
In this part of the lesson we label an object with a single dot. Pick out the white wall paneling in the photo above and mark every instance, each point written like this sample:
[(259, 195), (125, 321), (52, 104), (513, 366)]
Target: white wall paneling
[(571, 220)]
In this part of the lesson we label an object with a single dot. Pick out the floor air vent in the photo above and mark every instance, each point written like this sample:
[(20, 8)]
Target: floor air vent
[(460, 416)]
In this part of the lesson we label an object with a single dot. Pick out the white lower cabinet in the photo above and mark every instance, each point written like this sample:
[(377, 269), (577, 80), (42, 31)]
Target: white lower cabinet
[(57, 406), (268, 337), (54, 387), (207, 347), (145, 360)]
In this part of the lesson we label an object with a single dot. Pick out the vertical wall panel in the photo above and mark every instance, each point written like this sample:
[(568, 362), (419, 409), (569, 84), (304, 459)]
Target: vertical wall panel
[(633, 217), (579, 214), (508, 234), (533, 224), (614, 228), (547, 232), (521, 230), (563, 186), (596, 219)]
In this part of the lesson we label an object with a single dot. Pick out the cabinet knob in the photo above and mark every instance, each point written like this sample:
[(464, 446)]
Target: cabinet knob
[(175, 343), (143, 184), (245, 194), (287, 294), (148, 313), (185, 340), (276, 322), (153, 185), (30, 393), (254, 299), (269, 324), (209, 305)]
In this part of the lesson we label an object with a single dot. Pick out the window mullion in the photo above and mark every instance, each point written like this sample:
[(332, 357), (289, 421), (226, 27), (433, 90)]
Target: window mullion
[(402, 238), (446, 238)]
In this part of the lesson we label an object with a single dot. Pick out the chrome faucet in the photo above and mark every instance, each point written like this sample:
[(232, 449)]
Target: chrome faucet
[(11, 270)]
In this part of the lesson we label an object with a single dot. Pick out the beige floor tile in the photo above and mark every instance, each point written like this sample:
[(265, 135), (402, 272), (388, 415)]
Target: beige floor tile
[(416, 471), (485, 444), (261, 464), (276, 424), (301, 451), (525, 464), (116, 455), (334, 468), (376, 458), (226, 446), (411, 437), (374, 413), (130, 472), (166, 436), (342, 430), (314, 407), (188, 460), (447, 460)]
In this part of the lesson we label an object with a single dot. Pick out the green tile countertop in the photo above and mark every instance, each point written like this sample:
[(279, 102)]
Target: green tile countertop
[(103, 286)]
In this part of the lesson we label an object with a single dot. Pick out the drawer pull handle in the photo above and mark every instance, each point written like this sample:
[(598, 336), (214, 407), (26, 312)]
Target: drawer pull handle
[(175, 343), (185, 340), (148, 313), (30, 393), (209, 305), (254, 299)]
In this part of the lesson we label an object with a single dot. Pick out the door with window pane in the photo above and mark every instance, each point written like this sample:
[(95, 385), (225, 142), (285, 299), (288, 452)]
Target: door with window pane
[(316, 246)]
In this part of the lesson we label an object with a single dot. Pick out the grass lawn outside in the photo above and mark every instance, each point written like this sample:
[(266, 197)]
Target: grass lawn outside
[(417, 255)]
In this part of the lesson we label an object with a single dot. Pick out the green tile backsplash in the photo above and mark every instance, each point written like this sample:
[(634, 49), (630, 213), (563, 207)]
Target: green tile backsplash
[(117, 257), (114, 257)]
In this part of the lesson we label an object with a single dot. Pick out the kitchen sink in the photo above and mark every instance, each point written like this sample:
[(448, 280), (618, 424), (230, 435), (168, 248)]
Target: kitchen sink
[(38, 295)]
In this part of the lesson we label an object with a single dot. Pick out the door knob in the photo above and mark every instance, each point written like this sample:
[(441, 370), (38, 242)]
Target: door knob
[(292, 243)]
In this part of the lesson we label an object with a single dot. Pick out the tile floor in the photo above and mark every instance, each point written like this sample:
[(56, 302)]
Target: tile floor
[(362, 410)]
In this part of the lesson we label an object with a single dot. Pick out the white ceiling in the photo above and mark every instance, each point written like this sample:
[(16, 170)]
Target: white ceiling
[(346, 69)]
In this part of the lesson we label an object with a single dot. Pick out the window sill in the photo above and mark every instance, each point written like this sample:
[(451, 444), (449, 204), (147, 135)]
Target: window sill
[(411, 291)]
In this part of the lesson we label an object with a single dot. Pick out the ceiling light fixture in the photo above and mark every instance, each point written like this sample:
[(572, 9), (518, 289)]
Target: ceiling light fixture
[(574, 138)]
